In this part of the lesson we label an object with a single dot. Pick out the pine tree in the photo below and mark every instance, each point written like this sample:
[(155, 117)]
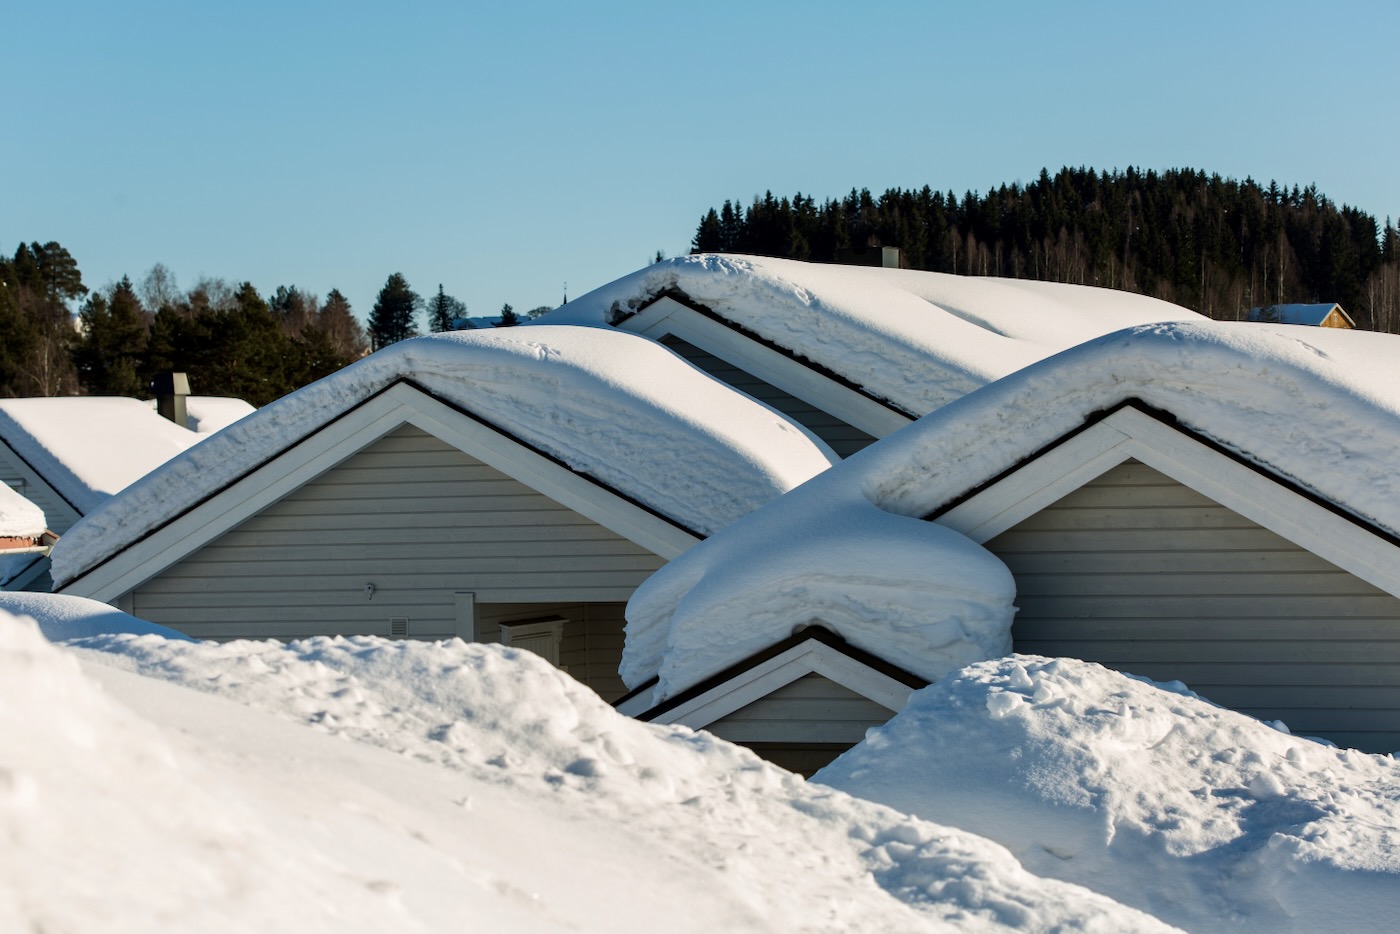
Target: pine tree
[(391, 320), (109, 356), (509, 318), (445, 312)]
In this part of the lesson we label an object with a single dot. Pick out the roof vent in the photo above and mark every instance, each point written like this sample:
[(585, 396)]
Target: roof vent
[(398, 626)]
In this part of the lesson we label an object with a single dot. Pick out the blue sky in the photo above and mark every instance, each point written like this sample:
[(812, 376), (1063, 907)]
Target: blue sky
[(504, 149)]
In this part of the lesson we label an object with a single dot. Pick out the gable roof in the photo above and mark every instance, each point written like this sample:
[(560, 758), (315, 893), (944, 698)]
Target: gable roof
[(86, 448), (604, 405), (1317, 410), (916, 340), (1299, 313)]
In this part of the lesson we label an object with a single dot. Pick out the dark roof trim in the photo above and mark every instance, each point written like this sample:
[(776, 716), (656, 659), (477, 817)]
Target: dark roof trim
[(1171, 421), (363, 402), (679, 297), (814, 633)]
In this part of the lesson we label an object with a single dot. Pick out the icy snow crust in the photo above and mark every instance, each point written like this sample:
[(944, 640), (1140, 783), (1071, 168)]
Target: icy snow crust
[(915, 339), (90, 447), (1320, 407), (617, 407), (19, 518), (370, 785), (1201, 816)]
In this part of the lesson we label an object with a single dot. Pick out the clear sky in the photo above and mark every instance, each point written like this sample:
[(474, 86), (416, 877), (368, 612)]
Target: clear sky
[(502, 149)]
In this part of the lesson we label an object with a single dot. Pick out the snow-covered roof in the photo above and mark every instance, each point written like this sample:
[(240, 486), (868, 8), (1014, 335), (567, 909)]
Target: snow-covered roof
[(915, 339), (207, 414), (1298, 313), (1209, 819), (89, 447), (1319, 408), (19, 518), (616, 407)]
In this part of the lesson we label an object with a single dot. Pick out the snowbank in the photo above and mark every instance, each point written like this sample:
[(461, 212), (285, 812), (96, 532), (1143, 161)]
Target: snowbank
[(616, 407), (89, 447), (1206, 818), (917, 594), (915, 339), (481, 788), (1319, 407), (19, 518), (61, 617)]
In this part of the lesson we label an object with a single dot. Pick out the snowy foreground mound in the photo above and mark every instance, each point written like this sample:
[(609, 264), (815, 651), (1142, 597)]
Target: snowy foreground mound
[(400, 786), (1206, 818)]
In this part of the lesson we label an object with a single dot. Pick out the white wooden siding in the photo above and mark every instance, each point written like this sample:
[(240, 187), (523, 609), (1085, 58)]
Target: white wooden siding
[(415, 517), (812, 709), (843, 438), (1142, 574)]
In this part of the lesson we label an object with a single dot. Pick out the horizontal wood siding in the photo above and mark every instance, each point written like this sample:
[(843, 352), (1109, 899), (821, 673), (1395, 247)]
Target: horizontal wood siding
[(812, 709), (1143, 574), (843, 438), (416, 518), (58, 515), (591, 649)]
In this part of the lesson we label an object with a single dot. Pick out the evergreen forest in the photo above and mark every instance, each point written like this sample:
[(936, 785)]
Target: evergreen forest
[(1214, 245)]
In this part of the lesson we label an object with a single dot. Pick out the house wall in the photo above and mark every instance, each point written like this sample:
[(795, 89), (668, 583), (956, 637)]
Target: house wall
[(422, 522), (1143, 574), (812, 709), (591, 648), (843, 438), (59, 515)]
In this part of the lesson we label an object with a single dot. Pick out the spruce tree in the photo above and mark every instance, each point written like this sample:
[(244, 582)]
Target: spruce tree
[(444, 312), (391, 320), (509, 318)]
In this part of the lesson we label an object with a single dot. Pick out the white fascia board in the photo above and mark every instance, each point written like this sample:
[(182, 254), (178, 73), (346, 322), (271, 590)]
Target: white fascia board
[(763, 679), (314, 455), (668, 317), (1130, 433), (1257, 497), (1035, 485)]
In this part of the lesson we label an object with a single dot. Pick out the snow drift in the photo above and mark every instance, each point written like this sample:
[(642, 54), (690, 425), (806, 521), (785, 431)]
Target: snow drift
[(1206, 818)]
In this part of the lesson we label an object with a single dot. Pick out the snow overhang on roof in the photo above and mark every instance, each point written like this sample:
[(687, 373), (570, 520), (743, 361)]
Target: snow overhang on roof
[(20, 520), (1320, 410), (917, 340), (87, 447), (612, 406)]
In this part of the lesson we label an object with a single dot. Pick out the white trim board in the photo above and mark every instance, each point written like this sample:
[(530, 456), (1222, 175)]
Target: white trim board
[(400, 404), (1131, 433), (753, 684), (667, 317)]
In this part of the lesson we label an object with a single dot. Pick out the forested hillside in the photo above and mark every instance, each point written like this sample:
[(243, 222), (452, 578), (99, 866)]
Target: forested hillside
[(1215, 245)]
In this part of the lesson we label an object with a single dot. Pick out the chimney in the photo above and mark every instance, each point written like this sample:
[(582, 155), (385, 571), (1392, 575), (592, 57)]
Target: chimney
[(171, 390)]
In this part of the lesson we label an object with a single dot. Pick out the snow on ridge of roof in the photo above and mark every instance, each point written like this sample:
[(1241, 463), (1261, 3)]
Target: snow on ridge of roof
[(617, 407), (90, 447), (19, 518), (1320, 408), (916, 339)]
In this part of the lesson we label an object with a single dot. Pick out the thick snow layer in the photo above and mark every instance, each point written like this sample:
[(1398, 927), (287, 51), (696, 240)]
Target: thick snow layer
[(611, 405), (370, 785), (90, 447), (1203, 817), (62, 617), (19, 518), (915, 339), (917, 594), (207, 414), (1320, 407)]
